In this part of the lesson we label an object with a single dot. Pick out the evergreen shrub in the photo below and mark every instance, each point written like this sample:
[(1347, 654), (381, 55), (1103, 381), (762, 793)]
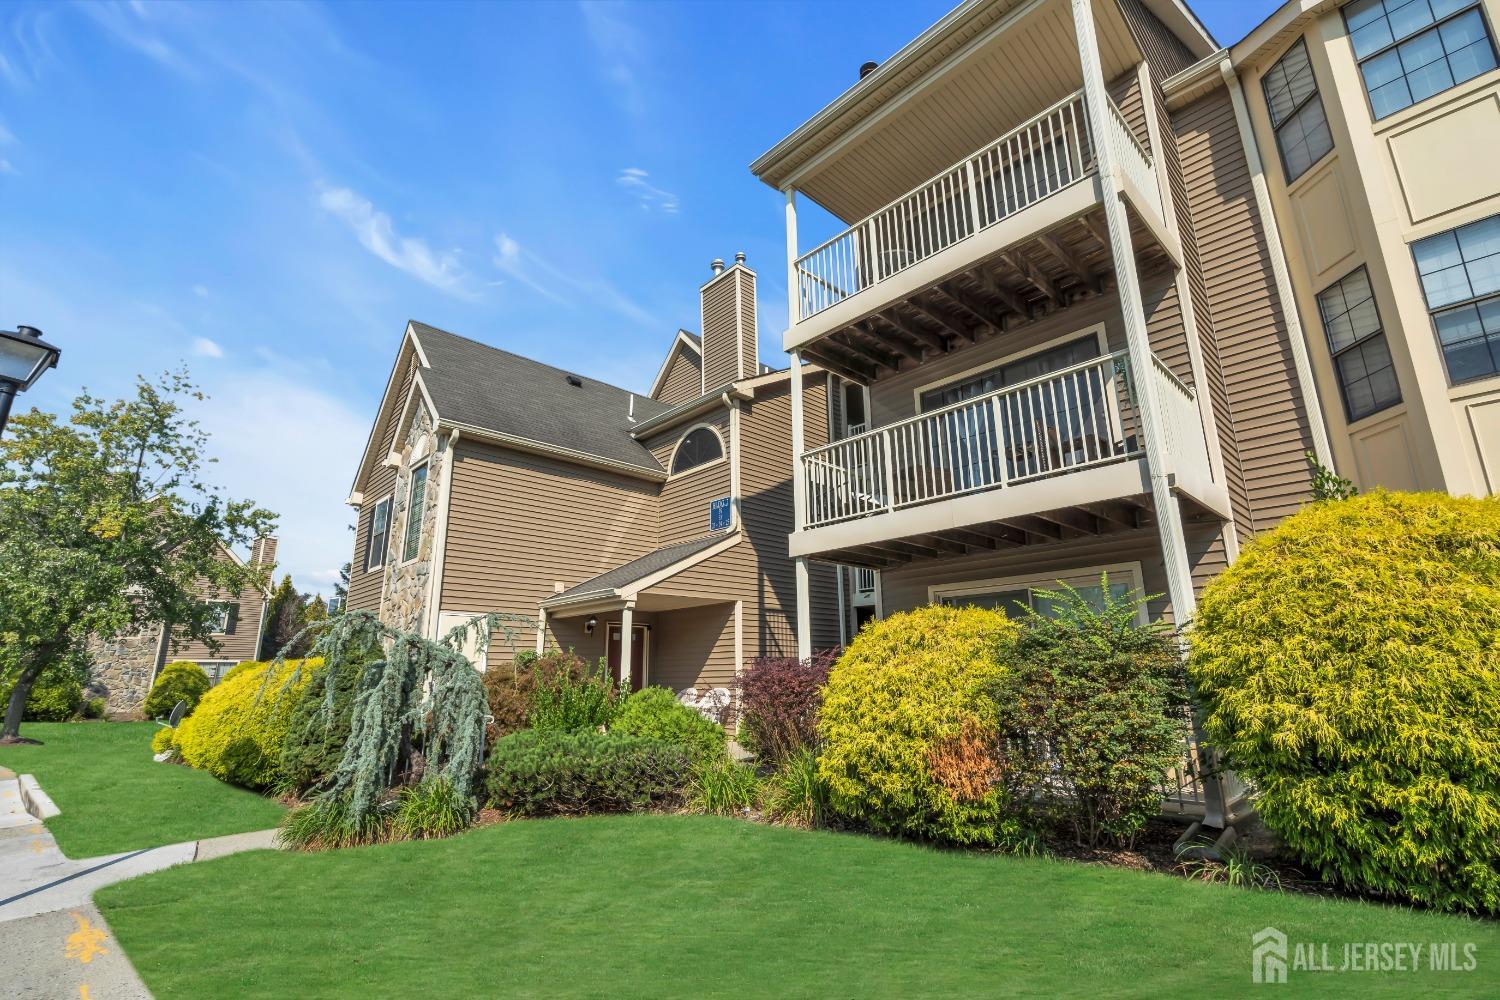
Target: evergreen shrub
[(180, 680), (508, 689), (1349, 667), (656, 714), (535, 773), (240, 726), (907, 732)]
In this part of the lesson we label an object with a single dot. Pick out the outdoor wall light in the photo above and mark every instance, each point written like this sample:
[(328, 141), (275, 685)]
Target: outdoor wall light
[(590, 625), (24, 355)]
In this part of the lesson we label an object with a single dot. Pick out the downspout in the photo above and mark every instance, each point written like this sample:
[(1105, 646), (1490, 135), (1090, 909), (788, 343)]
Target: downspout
[(1295, 335), (734, 460)]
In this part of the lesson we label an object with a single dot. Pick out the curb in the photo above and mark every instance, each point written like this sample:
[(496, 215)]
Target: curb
[(36, 801)]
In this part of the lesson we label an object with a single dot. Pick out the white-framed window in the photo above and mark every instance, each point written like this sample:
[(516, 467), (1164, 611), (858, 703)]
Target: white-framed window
[(1017, 595), (1460, 272), (220, 616), (1410, 50), (701, 445), (1296, 110), (380, 535), (1361, 356), (416, 501)]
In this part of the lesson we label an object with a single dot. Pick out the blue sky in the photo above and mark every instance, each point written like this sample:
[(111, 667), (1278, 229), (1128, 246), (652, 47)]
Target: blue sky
[(267, 192)]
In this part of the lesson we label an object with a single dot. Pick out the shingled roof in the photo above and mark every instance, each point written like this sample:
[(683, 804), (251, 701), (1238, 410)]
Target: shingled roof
[(482, 386), (638, 569)]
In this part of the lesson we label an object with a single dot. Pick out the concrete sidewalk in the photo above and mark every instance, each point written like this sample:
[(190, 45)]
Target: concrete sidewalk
[(57, 944)]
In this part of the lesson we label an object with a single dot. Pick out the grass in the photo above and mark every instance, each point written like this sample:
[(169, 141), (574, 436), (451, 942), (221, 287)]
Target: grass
[(115, 798), (694, 906)]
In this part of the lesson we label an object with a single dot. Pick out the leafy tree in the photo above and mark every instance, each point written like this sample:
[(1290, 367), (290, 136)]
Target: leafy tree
[(341, 589), (288, 614), (108, 523)]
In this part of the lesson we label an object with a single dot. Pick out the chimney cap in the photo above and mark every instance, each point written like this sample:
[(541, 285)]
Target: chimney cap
[(717, 264), (866, 68), (739, 257)]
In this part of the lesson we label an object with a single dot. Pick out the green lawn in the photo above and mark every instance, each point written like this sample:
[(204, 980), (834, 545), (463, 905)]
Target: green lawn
[(114, 797), (693, 906)]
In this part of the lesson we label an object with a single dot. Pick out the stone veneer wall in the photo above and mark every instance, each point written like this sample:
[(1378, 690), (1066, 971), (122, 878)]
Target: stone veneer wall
[(406, 583), (122, 669)]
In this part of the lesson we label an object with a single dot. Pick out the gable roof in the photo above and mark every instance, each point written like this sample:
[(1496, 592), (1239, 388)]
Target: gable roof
[(621, 577), (684, 339), (476, 385)]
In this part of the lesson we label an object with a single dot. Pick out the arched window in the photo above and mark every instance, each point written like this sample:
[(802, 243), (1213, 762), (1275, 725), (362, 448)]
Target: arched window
[(698, 447)]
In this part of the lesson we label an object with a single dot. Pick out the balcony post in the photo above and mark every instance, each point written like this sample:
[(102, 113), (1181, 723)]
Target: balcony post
[(1168, 514), (804, 610), (799, 499), (793, 284), (627, 633)]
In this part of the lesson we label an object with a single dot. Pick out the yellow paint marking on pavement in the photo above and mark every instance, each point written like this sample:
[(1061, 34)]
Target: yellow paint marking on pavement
[(83, 991), (37, 845), (85, 944)]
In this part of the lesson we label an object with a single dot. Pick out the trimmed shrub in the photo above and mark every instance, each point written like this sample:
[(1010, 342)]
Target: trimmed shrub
[(93, 708), (317, 730), (904, 697), (1349, 667), (1091, 716), (240, 668), (724, 787), (564, 703), (534, 773), (238, 730), (55, 695), (656, 714), (180, 680), (164, 740), (508, 690), (778, 698)]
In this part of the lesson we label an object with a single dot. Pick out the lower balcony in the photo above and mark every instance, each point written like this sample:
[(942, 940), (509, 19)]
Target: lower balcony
[(1046, 459)]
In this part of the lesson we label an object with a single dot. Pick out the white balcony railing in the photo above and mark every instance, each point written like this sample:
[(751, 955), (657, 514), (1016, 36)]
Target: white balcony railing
[(864, 582), (1073, 419), (1032, 162)]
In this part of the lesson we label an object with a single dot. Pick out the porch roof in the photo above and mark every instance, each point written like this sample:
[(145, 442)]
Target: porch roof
[(629, 576)]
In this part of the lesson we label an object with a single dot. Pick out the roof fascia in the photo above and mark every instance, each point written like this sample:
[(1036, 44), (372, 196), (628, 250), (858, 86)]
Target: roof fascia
[(681, 339), (531, 446)]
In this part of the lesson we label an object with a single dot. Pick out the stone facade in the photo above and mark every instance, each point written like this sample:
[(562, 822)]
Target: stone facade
[(407, 583), (122, 669)]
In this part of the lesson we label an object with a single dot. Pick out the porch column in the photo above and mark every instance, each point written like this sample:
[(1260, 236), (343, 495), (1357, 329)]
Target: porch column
[(839, 578), (627, 613), (1168, 514), (541, 631), (804, 611)]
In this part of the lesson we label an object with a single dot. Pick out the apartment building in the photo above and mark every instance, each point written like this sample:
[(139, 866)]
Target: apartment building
[(1080, 322), (645, 529)]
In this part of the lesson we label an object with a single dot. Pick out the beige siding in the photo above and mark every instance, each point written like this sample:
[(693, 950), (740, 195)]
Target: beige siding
[(693, 647), (684, 379), (749, 350), (364, 588), (1165, 53), (241, 642), (1263, 404), (520, 524), (686, 496), (721, 339)]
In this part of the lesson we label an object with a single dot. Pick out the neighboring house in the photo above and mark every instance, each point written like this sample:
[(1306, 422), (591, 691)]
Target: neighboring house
[(123, 668), (1060, 318), (492, 482)]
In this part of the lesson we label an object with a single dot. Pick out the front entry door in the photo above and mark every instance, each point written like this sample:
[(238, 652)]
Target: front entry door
[(637, 654)]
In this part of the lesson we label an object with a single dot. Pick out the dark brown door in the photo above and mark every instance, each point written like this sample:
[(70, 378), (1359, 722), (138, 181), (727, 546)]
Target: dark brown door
[(637, 654)]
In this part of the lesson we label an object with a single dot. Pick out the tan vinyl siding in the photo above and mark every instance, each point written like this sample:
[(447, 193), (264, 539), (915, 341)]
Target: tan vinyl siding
[(364, 588), (684, 379), (721, 336), (685, 497), (518, 524), (745, 308), (1263, 404), (1165, 53), (694, 647), (241, 642)]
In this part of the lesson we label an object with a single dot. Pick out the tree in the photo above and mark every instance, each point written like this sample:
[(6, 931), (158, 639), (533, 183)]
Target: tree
[(107, 524), (284, 619)]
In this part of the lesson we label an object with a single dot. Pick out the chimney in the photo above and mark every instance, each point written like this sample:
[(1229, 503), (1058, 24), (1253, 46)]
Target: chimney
[(263, 551), (728, 324)]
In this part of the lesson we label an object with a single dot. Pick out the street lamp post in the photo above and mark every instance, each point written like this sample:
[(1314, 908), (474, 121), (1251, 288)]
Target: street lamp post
[(24, 355)]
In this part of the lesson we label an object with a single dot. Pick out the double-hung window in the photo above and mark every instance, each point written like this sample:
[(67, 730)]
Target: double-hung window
[(1361, 356), (1296, 112), (416, 500), (380, 535), (1460, 272), (220, 614), (1409, 50)]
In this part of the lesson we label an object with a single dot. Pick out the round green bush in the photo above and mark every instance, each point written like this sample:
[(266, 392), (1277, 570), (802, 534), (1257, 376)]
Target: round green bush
[(239, 728), (165, 739), (907, 729), (56, 695), (1349, 668), (180, 680), (656, 714)]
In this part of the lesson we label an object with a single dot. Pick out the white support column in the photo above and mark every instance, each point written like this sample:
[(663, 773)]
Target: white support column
[(839, 579), (799, 444), (804, 610), (627, 614), (541, 631), (1168, 513), (793, 286)]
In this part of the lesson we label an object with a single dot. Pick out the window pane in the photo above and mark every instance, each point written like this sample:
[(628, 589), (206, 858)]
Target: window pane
[(1433, 78), (1370, 38), (1304, 139), (1288, 83), (1382, 69), (1436, 252), (1471, 60), (1462, 30), (1479, 239), (1348, 310), (414, 509), (1446, 286), (1458, 325), (1442, 8), (1363, 12)]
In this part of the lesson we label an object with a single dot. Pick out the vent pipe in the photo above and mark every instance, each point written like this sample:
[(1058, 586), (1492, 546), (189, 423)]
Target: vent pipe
[(716, 265), (865, 69)]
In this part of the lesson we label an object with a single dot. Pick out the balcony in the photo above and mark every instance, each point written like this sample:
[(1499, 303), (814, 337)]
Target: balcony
[(1069, 439), (1032, 179)]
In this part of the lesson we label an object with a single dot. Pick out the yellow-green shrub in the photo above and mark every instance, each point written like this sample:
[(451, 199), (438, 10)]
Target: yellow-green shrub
[(239, 728), (240, 668), (1349, 665), (180, 680), (164, 740), (904, 702)]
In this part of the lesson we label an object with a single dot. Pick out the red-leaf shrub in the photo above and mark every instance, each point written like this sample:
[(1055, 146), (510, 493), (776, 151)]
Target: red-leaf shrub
[(778, 698)]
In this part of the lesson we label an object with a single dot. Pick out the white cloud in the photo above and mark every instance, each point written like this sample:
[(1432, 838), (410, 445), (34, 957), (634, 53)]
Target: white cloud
[(620, 48), (566, 288), (411, 254), (634, 180), (201, 291), (286, 443), (205, 348), (7, 167), (127, 25)]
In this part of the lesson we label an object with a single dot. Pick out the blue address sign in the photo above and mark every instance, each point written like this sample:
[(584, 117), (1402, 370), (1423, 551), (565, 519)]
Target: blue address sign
[(718, 514)]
